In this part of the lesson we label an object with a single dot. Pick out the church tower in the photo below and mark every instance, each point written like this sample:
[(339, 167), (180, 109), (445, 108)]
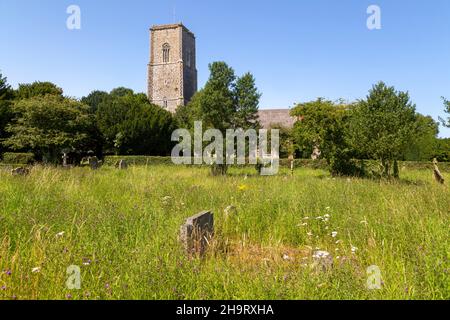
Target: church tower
[(172, 73)]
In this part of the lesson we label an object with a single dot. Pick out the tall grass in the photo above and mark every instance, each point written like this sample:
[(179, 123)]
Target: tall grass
[(121, 228)]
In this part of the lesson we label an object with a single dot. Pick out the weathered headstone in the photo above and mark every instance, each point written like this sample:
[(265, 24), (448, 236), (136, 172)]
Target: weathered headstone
[(65, 157), (123, 165), (93, 162), (21, 171), (197, 232)]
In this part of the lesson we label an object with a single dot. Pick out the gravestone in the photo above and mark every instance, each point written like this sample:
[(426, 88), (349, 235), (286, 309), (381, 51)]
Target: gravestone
[(123, 165), (65, 157), (93, 162), (21, 171), (197, 232)]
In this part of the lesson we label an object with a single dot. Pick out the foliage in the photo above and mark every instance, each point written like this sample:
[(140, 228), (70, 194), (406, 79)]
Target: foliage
[(35, 89), (422, 144), (446, 123), (17, 158), (48, 124), (323, 126), (6, 95), (383, 125), (131, 125), (442, 150), (94, 99), (226, 102)]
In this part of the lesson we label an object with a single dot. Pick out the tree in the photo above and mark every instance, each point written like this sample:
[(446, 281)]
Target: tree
[(94, 99), (131, 125), (27, 91), (382, 125), (226, 102), (423, 141), (48, 124), (446, 123), (247, 102), (322, 125), (121, 92), (6, 95)]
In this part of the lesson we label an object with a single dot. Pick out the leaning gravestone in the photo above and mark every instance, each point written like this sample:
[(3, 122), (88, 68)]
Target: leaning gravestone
[(197, 232), (123, 165)]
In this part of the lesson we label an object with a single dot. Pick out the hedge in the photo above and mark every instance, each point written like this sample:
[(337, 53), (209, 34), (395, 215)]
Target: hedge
[(17, 158)]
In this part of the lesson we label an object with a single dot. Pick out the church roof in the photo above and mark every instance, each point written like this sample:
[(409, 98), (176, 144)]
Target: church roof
[(270, 117)]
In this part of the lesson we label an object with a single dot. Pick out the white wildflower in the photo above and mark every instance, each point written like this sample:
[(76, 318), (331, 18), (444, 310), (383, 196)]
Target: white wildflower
[(36, 270), (60, 234), (334, 234), (354, 249)]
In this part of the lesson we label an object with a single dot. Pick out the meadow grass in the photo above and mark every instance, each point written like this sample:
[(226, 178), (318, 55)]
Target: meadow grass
[(121, 228)]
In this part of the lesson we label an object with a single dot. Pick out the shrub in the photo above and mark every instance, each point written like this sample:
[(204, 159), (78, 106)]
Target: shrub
[(18, 158)]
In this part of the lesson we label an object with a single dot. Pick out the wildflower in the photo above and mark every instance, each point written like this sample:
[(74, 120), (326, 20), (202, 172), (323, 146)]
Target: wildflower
[(8, 272), (3, 288), (286, 257), (328, 208), (310, 234), (68, 296), (354, 249), (334, 234), (339, 241), (243, 187), (60, 234), (86, 262), (321, 254), (36, 270)]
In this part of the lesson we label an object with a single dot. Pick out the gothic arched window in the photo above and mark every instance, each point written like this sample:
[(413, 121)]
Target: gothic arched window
[(166, 52)]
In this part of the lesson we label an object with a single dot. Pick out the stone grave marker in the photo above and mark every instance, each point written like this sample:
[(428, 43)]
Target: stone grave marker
[(197, 232), (123, 165)]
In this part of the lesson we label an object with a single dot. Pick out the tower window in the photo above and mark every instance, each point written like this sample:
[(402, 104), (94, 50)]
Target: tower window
[(188, 59), (166, 52), (165, 103)]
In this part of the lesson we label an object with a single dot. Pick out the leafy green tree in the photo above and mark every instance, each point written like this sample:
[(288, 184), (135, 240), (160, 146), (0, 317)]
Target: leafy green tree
[(247, 102), (121, 92), (30, 90), (383, 124), (48, 124), (226, 102), (322, 125), (442, 150), (446, 123), (131, 125), (6, 95), (423, 141), (94, 99)]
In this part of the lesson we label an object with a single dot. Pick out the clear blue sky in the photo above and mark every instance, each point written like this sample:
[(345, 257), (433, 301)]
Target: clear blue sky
[(298, 50)]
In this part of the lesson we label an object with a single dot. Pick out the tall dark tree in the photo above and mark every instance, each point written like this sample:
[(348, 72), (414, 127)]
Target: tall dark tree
[(131, 125), (6, 115), (247, 102), (94, 99)]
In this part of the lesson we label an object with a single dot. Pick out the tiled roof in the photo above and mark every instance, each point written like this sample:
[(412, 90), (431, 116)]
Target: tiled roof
[(272, 117)]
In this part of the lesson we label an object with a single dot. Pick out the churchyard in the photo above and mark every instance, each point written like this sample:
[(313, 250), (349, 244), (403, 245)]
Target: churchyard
[(303, 236)]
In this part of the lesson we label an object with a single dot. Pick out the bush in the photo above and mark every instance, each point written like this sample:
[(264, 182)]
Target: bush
[(18, 158)]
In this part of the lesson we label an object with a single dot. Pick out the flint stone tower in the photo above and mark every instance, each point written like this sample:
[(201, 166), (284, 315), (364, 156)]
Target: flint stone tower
[(172, 73)]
